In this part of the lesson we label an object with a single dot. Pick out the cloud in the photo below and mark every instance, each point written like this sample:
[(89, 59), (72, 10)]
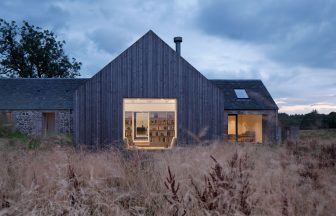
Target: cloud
[(110, 41), (287, 44), (293, 32), (39, 13), (301, 109)]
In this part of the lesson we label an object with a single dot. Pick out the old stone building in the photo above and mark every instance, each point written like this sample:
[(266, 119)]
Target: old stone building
[(38, 106)]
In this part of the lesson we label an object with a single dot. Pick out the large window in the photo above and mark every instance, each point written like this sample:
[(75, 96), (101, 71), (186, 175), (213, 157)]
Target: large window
[(149, 123), (245, 128)]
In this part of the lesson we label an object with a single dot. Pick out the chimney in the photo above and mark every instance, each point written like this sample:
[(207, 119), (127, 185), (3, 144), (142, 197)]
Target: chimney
[(178, 41)]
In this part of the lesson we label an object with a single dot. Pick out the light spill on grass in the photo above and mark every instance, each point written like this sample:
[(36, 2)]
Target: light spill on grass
[(297, 179)]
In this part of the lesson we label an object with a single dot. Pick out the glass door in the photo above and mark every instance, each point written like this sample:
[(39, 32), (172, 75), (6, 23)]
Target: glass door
[(141, 122), (232, 128)]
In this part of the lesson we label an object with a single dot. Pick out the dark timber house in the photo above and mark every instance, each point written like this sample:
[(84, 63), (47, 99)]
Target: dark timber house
[(149, 97)]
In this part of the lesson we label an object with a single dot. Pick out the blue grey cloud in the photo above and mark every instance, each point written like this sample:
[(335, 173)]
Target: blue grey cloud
[(109, 41), (288, 44), (300, 32), (40, 13)]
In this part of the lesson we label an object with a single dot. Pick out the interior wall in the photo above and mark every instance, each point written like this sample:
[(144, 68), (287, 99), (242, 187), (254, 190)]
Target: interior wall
[(250, 124), (269, 123)]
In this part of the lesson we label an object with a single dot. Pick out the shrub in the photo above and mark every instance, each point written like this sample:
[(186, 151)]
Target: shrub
[(226, 190)]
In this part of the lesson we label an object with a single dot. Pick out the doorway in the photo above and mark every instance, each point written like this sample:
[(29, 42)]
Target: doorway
[(48, 123)]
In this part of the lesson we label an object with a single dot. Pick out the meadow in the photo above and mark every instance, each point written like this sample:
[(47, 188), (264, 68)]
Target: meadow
[(49, 177)]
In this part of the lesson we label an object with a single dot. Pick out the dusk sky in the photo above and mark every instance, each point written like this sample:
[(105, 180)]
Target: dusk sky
[(289, 45)]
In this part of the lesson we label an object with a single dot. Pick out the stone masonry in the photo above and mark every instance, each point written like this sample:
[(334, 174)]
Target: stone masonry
[(31, 121)]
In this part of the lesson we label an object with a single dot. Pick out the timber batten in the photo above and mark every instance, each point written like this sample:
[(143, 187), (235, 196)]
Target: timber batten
[(148, 69)]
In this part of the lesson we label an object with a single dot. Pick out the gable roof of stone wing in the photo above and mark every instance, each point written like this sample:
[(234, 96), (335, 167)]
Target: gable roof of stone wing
[(38, 94)]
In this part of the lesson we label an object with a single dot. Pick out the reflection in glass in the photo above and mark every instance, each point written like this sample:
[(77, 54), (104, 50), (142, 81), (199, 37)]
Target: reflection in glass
[(232, 121), (128, 126), (158, 133), (141, 125), (249, 128)]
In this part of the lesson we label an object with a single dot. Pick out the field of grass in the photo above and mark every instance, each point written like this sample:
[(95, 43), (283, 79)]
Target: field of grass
[(297, 178), (324, 134)]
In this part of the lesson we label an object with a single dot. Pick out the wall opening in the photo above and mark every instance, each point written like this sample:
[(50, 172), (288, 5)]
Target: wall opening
[(6, 119), (245, 128), (48, 123), (149, 123)]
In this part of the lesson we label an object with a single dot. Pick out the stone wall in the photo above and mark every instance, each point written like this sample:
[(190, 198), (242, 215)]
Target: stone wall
[(28, 122), (269, 122), (63, 122), (31, 121)]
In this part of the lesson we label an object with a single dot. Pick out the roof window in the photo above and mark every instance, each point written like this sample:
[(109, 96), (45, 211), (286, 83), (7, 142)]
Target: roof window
[(241, 93)]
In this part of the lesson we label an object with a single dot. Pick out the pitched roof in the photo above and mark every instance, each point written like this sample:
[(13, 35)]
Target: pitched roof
[(259, 97), (39, 93)]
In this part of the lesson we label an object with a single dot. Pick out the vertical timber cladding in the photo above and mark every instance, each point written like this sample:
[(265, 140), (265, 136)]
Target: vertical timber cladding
[(147, 69)]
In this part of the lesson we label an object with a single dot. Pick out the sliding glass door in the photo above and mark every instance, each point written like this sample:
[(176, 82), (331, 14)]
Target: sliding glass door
[(245, 128)]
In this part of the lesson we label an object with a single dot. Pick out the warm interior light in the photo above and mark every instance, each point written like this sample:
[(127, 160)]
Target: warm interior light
[(149, 123), (249, 128)]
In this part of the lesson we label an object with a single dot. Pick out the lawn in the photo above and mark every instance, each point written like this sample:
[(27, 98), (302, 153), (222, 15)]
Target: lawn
[(52, 178)]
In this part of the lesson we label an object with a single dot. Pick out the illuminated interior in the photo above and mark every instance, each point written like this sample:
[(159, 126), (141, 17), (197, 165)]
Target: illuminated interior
[(232, 127), (249, 128), (149, 123)]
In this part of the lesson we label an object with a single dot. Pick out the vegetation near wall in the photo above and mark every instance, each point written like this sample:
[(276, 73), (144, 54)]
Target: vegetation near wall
[(309, 121), (218, 179)]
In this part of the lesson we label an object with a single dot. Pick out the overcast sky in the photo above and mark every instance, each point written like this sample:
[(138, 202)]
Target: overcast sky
[(289, 45)]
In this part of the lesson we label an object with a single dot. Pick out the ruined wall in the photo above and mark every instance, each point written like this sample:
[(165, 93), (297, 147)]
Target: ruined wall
[(64, 122), (28, 122), (269, 122), (31, 121)]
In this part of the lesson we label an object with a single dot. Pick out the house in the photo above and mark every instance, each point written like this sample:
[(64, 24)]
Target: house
[(38, 106), (149, 97)]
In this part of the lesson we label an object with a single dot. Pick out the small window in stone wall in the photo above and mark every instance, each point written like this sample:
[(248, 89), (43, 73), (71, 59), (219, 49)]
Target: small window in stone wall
[(6, 119)]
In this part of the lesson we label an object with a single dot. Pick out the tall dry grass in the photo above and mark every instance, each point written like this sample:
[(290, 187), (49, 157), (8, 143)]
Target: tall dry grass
[(219, 179)]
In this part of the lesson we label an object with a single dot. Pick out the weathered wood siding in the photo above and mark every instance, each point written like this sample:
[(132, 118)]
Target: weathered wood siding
[(148, 69)]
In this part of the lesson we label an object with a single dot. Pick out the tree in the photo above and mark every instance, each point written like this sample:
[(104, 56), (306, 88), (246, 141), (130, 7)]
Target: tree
[(29, 51), (312, 120), (330, 120)]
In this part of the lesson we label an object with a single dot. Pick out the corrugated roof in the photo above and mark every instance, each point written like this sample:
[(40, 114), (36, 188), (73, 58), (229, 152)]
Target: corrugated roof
[(259, 97), (39, 93)]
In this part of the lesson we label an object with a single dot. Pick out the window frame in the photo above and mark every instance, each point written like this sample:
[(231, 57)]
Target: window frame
[(240, 91), (173, 102), (236, 126)]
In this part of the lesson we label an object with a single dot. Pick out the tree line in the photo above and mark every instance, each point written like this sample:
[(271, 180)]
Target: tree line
[(309, 121)]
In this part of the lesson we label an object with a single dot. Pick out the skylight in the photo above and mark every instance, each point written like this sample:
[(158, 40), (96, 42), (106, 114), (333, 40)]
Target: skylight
[(241, 93)]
